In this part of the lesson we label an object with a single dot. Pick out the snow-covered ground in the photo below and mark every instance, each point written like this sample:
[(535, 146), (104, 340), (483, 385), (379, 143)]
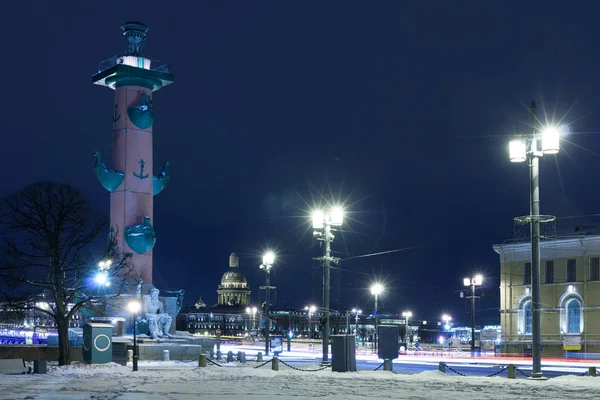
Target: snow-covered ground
[(173, 380)]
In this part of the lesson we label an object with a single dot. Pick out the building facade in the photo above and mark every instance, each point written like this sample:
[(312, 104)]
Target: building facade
[(569, 295)]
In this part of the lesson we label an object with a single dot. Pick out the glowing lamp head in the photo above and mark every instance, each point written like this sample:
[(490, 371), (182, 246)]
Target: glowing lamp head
[(269, 258), (550, 140), (517, 150), (101, 279), (337, 216), (407, 314), (134, 307), (318, 218), (478, 279), (467, 282), (376, 289)]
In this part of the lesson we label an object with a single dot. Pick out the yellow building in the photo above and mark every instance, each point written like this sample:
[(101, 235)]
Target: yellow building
[(569, 296)]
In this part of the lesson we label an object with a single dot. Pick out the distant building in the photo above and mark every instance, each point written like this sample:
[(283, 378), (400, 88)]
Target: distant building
[(569, 296), (233, 290)]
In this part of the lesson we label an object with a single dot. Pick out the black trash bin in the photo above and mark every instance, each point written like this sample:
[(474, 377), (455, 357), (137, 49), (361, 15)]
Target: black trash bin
[(343, 353)]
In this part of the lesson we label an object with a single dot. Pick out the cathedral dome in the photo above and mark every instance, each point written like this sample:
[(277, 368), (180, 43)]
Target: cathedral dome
[(233, 276)]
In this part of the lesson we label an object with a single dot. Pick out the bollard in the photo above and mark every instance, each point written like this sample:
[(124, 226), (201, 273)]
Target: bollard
[(165, 355), (208, 355), (40, 366), (259, 357), (230, 356), (130, 356), (442, 367), (242, 357), (202, 361), (592, 371), (219, 355), (387, 365), (512, 371), (239, 356), (275, 364)]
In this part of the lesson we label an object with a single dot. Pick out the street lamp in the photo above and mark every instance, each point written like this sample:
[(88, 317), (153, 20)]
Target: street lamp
[(101, 277), (407, 315), (267, 264), (356, 314), (477, 280), (134, 308), (251, 311), (311, 310), (446, 318), (322, 223), (521, 149), (376, 290)]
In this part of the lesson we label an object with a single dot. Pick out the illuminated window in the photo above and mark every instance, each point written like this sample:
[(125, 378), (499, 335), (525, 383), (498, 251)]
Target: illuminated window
[(573, 316), (528, 318)]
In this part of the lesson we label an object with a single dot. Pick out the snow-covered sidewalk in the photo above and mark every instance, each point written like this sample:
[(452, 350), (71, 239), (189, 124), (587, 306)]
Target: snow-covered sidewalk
[(115, 382)]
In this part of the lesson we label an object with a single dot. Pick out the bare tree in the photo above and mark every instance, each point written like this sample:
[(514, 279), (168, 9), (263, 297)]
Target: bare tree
[(47, 263)]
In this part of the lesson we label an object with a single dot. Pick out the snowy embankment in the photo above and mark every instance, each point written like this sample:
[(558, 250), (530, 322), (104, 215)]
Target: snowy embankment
[(173, 381)]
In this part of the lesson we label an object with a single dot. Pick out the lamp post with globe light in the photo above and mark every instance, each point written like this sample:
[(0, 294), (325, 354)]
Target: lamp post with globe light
[(376, 290), (134, 308), (356, 313), (531, 147), (477, 280), (311, 310), (251, 311), (267, 264), (322, 223), (407, 315)]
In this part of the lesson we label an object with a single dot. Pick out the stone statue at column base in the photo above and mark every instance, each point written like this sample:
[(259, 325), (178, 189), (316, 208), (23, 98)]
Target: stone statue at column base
[(159, 322)]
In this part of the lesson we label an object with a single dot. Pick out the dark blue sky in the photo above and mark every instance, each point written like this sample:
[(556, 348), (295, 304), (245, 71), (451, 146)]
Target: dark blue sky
[(401, 110)]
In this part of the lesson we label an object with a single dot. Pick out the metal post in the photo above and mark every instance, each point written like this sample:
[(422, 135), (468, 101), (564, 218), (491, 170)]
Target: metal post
[(326, 283), (135, 352), (534, 168), (472, 318), (267, 301), (376, 323)]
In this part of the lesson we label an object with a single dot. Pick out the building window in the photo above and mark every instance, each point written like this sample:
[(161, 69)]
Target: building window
[(528, 316), (573, 316), (527, 273), (572, 270), (549, 272), (595, 269)]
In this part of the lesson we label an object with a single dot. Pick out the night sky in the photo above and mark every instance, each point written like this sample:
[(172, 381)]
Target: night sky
[(400, 110)]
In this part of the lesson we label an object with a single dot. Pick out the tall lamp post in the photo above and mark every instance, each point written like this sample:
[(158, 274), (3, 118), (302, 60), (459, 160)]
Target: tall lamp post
[(356, 314), (134, 308), (311, 310), (251, 311), (477, 280), (531, 147), (407, 315), (376, 290), (267, 264), (322, 223)]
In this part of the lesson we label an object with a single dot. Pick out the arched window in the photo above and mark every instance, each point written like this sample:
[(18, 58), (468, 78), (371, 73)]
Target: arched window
[(573, 316), (528, 318)]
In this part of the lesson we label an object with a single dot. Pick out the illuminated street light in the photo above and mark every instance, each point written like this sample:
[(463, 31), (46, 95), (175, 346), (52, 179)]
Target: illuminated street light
[(477, 280), (376, 289), (311, 310), (268, 260), (101, 279), (134, 308), (407, 315), (521, 149), (356, 314), (322, 223), (252, 311)]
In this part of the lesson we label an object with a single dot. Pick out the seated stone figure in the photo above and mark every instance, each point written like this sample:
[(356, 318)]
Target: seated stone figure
[(159, 322)]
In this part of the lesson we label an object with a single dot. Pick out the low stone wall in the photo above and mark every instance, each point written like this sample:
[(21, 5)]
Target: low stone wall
[(186, 352)]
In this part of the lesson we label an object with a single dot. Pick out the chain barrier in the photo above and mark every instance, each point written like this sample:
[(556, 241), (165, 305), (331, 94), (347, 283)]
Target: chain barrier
[(304, 370), (497, 372), (523, 373), (379, 367), (263, 364), (212, 362), (585, 373), (455, 371)]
